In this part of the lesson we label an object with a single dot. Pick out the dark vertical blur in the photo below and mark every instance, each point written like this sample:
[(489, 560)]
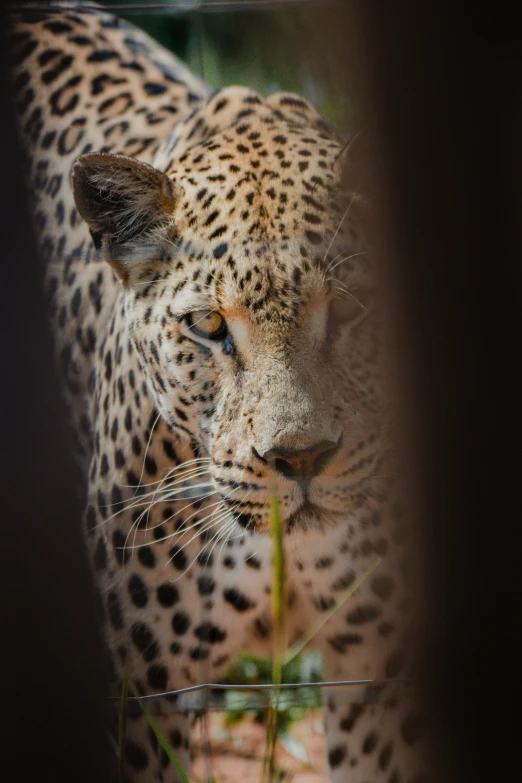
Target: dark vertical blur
[(441, 105), (52, 684)]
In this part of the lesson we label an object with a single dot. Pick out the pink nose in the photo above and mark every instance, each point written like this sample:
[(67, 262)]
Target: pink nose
[(302, 463)]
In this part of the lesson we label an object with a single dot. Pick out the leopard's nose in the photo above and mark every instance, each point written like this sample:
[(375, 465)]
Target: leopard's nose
[(296, 464)]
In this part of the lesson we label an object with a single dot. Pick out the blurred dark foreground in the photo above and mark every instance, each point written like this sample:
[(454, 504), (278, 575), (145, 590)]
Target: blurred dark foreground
[(440, 101)]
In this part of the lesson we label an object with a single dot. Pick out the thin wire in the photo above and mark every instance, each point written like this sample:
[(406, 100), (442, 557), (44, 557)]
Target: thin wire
[(268, 686), (206, 5)]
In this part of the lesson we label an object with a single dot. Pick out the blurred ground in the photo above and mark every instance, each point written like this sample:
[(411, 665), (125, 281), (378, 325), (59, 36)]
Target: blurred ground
[(238, 757)]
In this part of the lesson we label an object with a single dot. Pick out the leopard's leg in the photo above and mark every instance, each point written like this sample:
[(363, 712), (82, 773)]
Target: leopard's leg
[(144, 760), (370, 736), (373, 733)]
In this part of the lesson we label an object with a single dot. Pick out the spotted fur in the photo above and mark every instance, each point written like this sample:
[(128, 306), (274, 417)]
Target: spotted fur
[(154, 200)]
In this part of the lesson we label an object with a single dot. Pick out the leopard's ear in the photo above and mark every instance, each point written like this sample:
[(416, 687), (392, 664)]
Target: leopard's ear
[(128, 206), (300, 111)]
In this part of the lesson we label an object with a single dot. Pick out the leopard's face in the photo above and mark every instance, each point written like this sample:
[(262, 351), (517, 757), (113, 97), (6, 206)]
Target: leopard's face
[(248, 299)]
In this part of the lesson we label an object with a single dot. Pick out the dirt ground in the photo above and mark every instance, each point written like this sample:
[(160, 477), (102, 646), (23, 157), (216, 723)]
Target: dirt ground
[(237, 753)]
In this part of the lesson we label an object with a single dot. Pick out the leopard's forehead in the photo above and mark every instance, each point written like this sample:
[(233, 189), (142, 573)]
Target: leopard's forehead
[(260, 200), (246, 168)]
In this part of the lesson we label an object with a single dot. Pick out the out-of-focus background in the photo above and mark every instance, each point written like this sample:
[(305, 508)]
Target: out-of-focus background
[(291, 45)]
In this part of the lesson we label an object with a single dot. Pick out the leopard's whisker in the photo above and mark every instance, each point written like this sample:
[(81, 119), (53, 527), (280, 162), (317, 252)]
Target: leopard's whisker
[(172, 471), (136, 502), (148, 445), (205, 529), (346, 258)]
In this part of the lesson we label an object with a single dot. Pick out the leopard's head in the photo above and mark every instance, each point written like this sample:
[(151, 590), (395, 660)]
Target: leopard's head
[(248, 299)]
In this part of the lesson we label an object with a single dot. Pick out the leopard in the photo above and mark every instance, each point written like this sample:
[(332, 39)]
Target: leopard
[(211, 297)]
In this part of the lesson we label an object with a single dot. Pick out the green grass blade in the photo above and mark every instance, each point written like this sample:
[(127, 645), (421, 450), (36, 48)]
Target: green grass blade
[(278, 618), (113, 743), (122, 717), (163, 741)]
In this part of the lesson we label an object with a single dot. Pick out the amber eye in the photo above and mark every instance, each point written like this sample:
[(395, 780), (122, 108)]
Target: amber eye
[(207, 324), (348, 307)]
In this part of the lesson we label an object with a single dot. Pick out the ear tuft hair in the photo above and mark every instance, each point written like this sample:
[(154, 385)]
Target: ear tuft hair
[(124, 202)]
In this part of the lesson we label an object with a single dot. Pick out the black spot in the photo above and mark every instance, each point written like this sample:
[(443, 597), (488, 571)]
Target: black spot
[(262, 627), (115, 611), (48, 140), (369, 743), (176, 739), (58, 27), (385, 628), (383, 586), (349, 721), (238, 600), (76, 302), (168, 595), (199, 654), (253, 562), (324, 562), (136, 756), (210, 219), (144, 641), (152, 88), (104, 465), (80, 40), (146, 557), (395, 663), (116, 495), (102, 55), (157, 677), (362, 614), (323, 602), (179, 558), (205, 558), (168, 448), (206, 585), (385, 756), (206, 632), (138, 591), (118, 541), (150, 465), (220, 105), (412, 728), (344, 581), (313, 237), (341, 642), (336, 756), (53, 73), (180, 623)]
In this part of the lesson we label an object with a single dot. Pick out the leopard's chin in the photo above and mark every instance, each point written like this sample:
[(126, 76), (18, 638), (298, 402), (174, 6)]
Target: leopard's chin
[(311, 516)]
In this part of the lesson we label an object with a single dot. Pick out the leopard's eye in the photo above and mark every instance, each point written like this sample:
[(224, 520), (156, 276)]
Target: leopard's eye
[(207, 324), (348, 307)]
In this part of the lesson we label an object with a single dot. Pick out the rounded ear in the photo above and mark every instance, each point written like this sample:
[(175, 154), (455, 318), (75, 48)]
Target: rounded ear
[(128, 206), (299, 110)]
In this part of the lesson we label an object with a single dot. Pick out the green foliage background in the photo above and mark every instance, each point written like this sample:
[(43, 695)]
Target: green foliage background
[(291, 47)]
